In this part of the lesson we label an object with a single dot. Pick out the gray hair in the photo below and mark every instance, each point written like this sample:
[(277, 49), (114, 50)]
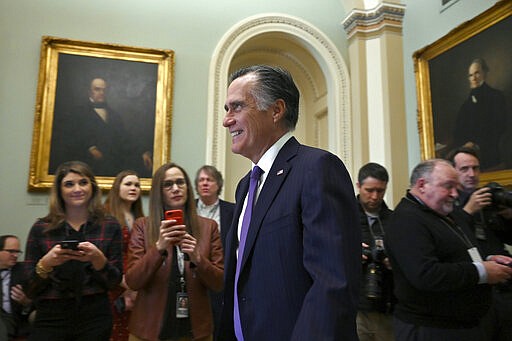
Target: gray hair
[(273, 83), (424, 170)]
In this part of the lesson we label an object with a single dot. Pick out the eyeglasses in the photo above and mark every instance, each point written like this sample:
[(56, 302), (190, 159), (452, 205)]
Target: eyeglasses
[(13, 252), (168, 184)]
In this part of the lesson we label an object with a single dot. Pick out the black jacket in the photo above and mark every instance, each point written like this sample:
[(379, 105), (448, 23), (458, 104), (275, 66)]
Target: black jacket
[(436, 283), (387, 300)]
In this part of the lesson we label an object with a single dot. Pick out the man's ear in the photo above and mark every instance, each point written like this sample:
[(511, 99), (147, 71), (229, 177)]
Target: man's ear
[(278, 110), (421, 184)]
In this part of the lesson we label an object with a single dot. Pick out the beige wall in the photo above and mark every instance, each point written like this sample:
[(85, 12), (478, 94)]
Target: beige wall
[(192, 29)]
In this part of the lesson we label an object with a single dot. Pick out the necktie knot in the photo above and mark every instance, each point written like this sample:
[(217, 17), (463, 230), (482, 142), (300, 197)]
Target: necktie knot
[(256, 173)]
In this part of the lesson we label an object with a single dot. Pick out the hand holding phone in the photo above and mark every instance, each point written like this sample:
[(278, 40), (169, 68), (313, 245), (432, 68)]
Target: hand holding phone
[(178, 216), (69, 244)]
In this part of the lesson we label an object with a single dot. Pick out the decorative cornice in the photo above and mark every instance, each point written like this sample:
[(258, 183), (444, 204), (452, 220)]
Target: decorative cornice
[(385, 16)]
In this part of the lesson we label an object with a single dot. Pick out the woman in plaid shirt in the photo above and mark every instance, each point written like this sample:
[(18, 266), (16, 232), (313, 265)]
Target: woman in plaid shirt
[(69, 281)]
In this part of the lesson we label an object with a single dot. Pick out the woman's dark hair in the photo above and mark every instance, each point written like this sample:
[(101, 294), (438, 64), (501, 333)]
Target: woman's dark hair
[(157, 205), (57, 214)]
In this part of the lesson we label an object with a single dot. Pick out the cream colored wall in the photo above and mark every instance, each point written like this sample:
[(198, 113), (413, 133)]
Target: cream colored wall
[(191, 28)]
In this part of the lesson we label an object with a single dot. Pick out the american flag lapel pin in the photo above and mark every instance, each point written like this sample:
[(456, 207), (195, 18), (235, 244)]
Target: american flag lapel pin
[(279, 172)]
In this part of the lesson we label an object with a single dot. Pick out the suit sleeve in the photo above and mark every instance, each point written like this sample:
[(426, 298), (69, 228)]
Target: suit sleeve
[(332, 252)]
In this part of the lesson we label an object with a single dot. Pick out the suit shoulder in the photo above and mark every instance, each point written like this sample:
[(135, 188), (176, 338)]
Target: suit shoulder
[(226, 204)]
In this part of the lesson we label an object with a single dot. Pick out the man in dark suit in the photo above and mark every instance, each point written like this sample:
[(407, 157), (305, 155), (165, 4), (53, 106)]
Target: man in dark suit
[(14, 303), (96, 134), (484, 119), (209, 183), (299, 261)]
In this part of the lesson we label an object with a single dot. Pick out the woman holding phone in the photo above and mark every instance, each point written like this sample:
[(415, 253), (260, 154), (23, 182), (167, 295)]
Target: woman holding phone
[(124, 203), (172, 301), (73, 259)]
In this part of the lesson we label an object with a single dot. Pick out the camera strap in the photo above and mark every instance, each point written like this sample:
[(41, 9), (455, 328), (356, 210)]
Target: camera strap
[(375, 221)]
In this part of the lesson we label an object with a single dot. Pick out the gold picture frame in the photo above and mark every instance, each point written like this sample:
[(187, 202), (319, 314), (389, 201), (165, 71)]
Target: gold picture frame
[(441, 71), (139, 88)]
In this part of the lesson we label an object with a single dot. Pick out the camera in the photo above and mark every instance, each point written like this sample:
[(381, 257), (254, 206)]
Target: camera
[(375, 257), (499, 195)]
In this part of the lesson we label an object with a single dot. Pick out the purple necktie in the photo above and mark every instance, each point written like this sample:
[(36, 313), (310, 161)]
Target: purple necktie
[(253, 187)]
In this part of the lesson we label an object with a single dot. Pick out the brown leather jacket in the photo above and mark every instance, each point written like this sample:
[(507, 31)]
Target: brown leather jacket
[(148, 273)]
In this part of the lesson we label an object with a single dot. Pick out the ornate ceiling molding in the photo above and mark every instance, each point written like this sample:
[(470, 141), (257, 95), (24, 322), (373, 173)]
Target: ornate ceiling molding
[(366, 23)]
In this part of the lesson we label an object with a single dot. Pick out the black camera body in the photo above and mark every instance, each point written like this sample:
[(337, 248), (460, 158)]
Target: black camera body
[(491, 218), (500, 196), (375, 257)]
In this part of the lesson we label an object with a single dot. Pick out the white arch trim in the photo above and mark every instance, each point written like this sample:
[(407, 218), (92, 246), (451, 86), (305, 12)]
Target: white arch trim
[(318, 44)]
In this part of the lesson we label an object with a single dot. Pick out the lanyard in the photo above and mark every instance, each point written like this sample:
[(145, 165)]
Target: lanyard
[(181, 267), (459, 233)]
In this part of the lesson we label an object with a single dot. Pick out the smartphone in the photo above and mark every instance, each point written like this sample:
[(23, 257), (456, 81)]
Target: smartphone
[(178, 216), (69, 244), (174, 215)]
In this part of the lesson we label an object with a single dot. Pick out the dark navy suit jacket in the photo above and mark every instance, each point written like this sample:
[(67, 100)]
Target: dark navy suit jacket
[(226, 217), (300, 273)]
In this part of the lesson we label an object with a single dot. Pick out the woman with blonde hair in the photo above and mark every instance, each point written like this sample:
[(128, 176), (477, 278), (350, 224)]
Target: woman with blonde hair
[(172, 301), (124, 203), (73, 259)]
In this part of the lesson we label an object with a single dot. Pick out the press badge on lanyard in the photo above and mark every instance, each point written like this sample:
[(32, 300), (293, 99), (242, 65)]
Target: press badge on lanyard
[(475, 255), (181, 296)]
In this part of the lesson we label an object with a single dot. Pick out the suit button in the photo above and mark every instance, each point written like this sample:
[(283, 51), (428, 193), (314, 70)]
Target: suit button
[(244, 299)]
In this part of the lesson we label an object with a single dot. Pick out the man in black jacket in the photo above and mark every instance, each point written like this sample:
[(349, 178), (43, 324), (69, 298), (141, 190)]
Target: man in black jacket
[(492, 225), (376, 292), (441, 281), (484, 119)]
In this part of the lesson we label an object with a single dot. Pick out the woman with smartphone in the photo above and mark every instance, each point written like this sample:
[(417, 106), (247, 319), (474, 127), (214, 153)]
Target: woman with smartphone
[(73, 258), (172, 263), (124, 203)]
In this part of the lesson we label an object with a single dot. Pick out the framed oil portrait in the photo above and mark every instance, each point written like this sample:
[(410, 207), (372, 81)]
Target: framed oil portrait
[(104, 104), (464, 91)]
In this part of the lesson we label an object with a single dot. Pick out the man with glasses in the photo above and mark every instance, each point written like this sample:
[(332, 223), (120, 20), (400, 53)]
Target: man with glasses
[(15, 304)]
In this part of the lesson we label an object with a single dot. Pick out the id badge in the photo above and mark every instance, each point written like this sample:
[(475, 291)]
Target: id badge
[(181, 305), (475, 255)]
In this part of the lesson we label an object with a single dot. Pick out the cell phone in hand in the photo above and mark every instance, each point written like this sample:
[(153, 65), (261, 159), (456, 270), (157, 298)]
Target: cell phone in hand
[(69, 244), (178, 216), (174, 215)]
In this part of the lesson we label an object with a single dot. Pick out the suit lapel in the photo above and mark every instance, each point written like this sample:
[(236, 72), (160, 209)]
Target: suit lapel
[(275, 179), (232, 236)]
